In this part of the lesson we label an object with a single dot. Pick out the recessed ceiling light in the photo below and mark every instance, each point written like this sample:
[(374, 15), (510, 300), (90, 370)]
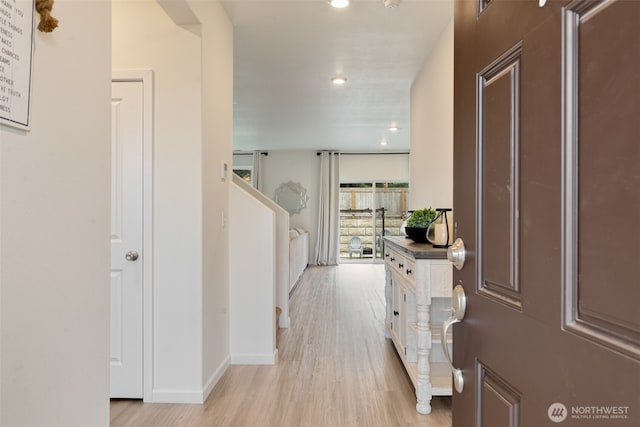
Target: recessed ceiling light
[(338, 81), (383, 142), (394, 129), (339, 4)]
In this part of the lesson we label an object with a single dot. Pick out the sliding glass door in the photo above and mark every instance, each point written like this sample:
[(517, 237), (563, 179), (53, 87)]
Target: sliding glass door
[(368, 211)]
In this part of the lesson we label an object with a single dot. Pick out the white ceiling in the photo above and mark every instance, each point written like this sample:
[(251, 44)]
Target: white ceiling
[(287, 51)]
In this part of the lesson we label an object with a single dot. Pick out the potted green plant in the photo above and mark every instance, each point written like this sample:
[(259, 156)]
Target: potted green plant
[(418, 223)]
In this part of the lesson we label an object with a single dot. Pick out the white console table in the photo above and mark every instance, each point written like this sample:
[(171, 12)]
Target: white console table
[(418, 291)]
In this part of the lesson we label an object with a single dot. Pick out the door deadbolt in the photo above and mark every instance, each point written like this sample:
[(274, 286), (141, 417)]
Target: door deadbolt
[(132, 256), (456, 254)]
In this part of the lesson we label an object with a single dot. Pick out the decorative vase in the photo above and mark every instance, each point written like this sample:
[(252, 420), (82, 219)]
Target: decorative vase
[(417, 234)]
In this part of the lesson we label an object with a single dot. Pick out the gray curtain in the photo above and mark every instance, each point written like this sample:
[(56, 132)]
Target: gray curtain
[(327, 244)]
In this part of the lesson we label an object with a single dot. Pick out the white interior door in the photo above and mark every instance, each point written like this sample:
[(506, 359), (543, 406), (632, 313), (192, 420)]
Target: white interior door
[(126, 239)]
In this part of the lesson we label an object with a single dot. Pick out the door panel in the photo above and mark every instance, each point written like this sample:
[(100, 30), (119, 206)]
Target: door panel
[(607, 176), (126, 236), (498, 177), (546, 335), (498, 404)]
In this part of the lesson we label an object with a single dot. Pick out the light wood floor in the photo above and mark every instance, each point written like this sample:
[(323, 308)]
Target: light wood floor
[(335, 368)]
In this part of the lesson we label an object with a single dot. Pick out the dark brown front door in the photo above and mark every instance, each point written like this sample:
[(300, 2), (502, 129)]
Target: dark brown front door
[(547, 201)]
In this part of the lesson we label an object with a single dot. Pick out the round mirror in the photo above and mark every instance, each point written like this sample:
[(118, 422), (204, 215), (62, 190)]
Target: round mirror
[(292, 197)]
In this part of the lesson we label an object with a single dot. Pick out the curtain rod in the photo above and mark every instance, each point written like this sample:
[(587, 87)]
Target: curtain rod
[(250, 153), (368, 153)]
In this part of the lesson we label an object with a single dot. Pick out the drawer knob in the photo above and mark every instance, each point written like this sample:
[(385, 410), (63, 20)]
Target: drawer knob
[(400, 265), (392, 259), (396, 313), (409, 271)]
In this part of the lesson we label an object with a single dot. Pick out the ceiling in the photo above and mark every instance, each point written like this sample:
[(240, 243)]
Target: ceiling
[(285, 53)]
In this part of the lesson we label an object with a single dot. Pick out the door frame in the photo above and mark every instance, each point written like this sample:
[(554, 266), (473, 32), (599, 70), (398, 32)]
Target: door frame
[(146, 78)]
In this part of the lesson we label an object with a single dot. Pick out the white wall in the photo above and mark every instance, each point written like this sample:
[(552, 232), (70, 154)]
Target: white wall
[(1, 281), (217, 141), (193, 82), (431, 158), (282, 248), (173, 53), (54, 269), (296, 166), (374, 167), (253, 278)]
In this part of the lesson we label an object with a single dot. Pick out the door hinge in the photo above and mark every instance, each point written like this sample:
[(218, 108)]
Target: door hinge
[(405, 351), (405, 297)]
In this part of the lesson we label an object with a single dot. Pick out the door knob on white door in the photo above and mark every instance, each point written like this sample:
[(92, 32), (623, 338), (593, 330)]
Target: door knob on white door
[(459, 302), (131, 256)]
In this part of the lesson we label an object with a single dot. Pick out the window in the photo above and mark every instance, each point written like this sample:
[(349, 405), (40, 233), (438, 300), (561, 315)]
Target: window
[(243, 166), (244, 173)]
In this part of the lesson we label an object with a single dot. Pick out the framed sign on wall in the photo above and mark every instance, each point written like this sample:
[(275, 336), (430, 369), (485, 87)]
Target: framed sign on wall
[(16, 54)]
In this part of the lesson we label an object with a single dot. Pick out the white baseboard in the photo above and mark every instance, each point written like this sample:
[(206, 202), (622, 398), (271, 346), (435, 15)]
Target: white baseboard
[(215, 377), (255, 359), (285, 322), (190, 396)]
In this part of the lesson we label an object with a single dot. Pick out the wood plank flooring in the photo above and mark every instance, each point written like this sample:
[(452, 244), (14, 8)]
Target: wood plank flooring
[(335, 368)]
